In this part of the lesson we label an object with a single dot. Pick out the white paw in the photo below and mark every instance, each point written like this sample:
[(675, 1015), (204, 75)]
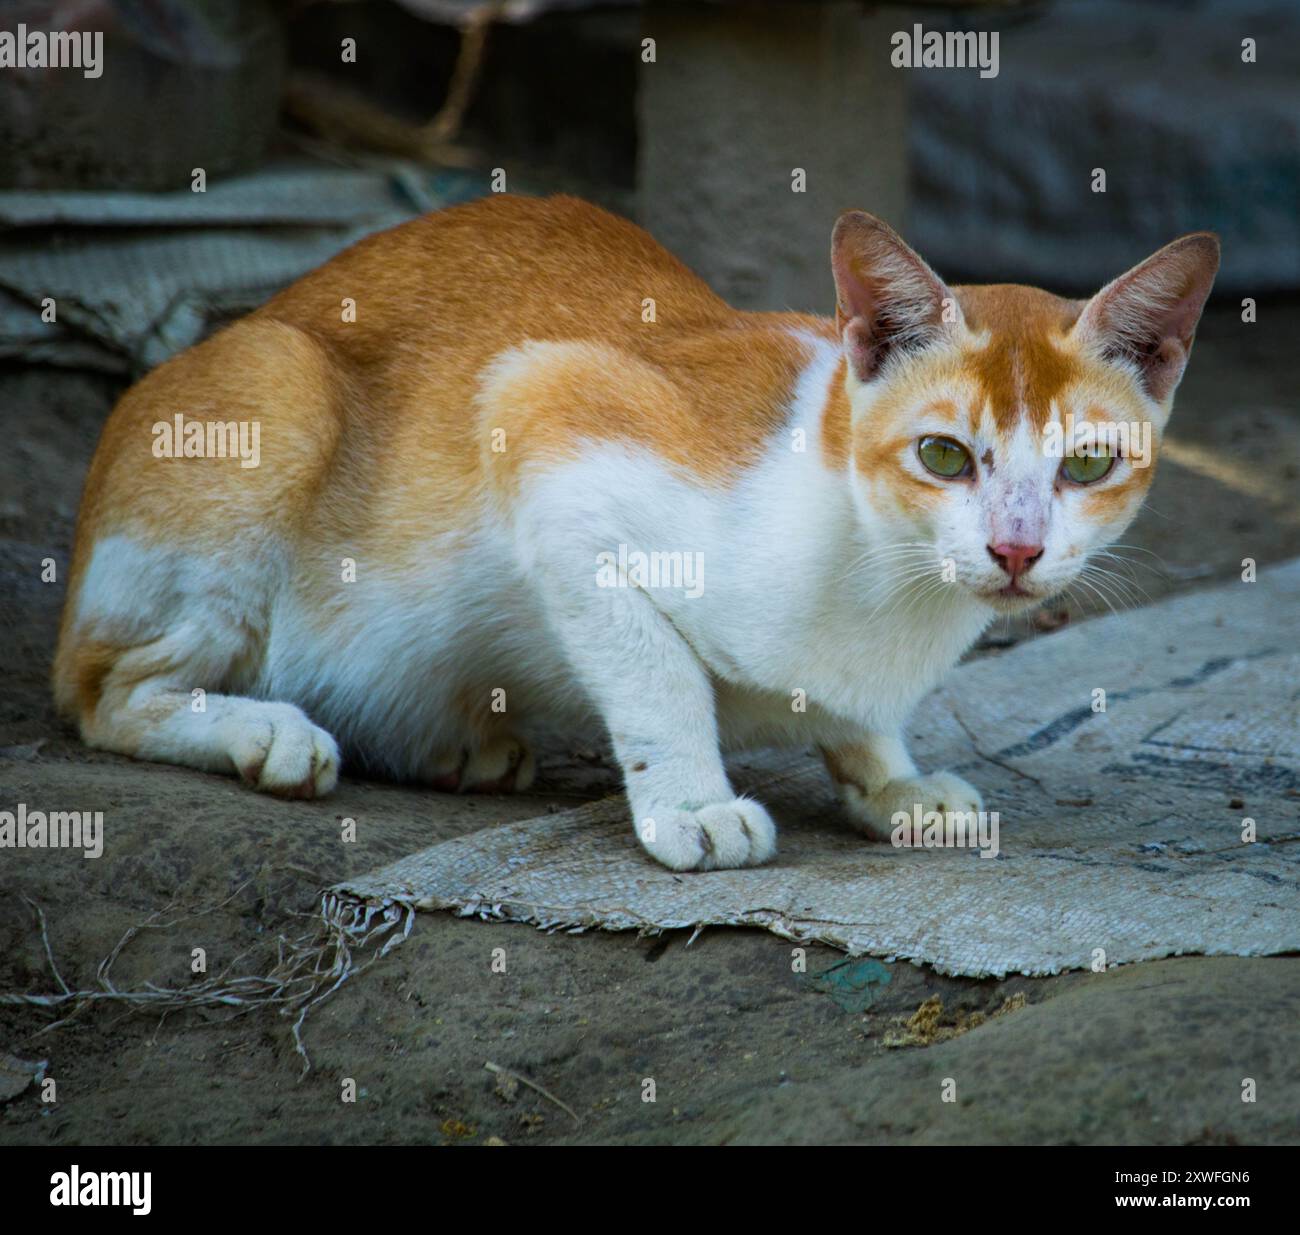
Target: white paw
[(716, 837), (276, 749), (874, 813)]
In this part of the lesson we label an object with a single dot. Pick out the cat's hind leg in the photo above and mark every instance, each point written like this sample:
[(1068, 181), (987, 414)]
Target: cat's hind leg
[(273, 747), (146, 709), (142, 670)]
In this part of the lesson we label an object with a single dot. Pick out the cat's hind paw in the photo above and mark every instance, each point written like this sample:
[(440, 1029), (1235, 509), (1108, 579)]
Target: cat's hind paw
[(277, 750), (721, 836), (504, 765)]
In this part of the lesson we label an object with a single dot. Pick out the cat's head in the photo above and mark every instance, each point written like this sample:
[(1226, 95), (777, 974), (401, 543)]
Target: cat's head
[(1001, 430)]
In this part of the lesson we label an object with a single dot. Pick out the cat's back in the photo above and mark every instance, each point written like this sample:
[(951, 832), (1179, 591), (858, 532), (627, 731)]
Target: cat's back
[(381, 349), (364, 381), (479, 340), (491, 273)]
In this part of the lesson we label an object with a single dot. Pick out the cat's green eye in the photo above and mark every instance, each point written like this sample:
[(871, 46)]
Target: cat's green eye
[(944, 457), (1087, 469)]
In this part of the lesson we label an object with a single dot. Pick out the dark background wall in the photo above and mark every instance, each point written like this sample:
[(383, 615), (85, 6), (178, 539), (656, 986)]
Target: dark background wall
[(702, 138)]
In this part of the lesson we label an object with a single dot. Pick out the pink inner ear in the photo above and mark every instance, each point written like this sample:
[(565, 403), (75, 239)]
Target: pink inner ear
[(1181, 321), (1149, 315), (862, 317), (859, 288), (861, 348), (886, 296)]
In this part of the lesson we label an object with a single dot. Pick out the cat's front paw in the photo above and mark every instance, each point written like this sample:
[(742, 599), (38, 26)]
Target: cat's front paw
[(873, 813), (716, 837)]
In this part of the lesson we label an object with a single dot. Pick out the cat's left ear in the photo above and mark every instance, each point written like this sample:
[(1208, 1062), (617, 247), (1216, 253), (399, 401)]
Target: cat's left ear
[(1149, 315)]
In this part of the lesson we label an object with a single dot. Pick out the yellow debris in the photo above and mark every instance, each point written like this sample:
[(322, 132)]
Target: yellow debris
[(929, 1024)]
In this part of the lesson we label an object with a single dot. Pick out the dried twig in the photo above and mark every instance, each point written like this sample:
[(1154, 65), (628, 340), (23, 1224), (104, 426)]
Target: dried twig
[(523, 1080), (45, 939)]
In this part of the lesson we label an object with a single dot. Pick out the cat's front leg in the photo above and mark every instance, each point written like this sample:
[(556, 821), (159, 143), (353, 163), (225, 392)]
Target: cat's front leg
[(684, 810), (657, 701), (877, 780)]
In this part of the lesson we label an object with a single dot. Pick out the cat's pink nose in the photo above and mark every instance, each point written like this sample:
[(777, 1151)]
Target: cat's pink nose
[(1015, 559)]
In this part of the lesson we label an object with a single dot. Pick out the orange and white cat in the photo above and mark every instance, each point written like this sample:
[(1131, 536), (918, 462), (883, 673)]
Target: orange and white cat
[(482, 432)]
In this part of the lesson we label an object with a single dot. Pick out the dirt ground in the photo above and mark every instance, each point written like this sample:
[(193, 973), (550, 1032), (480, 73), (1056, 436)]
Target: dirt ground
[(740, 1047)]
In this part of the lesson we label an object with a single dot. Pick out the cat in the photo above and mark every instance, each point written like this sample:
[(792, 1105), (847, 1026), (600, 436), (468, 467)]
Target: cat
[(495, 441)]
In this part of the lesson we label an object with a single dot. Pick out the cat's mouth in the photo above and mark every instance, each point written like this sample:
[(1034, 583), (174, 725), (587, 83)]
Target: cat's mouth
[(1010, 597)]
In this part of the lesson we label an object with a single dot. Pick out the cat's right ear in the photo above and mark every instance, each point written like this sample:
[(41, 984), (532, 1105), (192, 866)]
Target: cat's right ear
[(887, 299)]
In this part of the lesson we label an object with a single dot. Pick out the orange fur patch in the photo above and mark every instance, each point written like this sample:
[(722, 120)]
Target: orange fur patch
[(1023, 366), (837, 420), (81, 678), (1112, 501)]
